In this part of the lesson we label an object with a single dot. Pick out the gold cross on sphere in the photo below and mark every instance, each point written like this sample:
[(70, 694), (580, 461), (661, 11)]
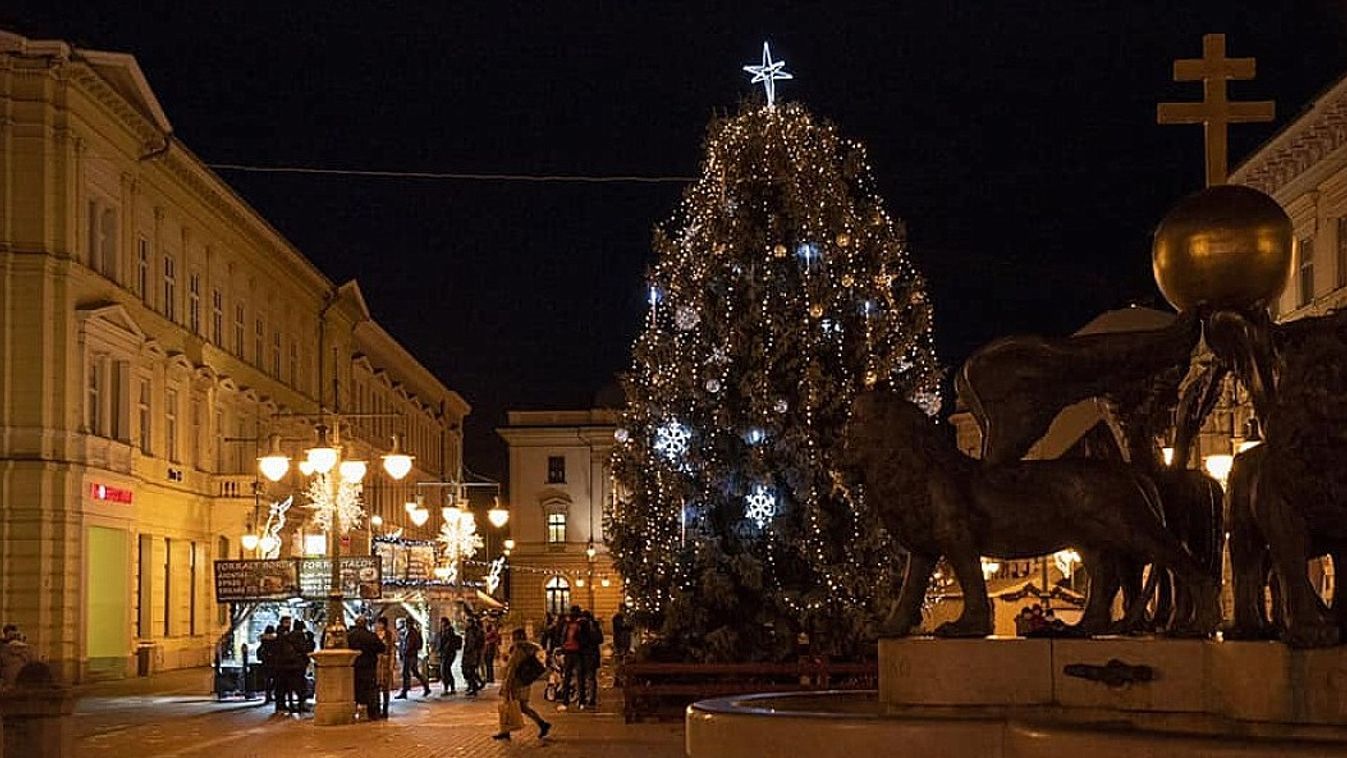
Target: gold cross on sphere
[(1215, 112)]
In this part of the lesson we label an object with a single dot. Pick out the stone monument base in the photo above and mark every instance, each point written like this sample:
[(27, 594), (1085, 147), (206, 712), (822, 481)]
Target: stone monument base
[(987, 698), (334, 685)]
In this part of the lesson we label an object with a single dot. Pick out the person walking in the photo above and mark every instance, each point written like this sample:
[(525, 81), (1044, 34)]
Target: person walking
[(360, 638), (388, 662), (447, 644), (412, 645), (474, 641), (521, 670), (490, 651)]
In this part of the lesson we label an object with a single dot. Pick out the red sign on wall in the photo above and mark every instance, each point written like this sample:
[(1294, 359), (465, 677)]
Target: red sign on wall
[(109, 494)]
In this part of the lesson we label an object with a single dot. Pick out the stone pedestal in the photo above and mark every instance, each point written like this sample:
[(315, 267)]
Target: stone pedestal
[(334, 682), (1002, 671), (37, 721), (1179, 683)]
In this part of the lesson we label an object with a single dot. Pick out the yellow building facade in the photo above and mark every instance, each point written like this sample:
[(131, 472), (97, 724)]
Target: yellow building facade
[(154, 329), (560, 483)]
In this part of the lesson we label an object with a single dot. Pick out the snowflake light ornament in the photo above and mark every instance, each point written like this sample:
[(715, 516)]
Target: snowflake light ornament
[(671, 440), (760, 505), (686, 319), (346, 509)]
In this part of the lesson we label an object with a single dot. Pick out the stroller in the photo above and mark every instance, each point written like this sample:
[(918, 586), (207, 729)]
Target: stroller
[(555, 677)]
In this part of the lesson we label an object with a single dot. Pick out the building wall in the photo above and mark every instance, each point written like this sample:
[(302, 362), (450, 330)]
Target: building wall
[(152, 325), (583, 440)]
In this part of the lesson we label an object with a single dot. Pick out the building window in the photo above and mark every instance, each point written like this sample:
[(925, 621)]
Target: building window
[(103, 239), (198, 435), (194, 303), (1306, 293), (556, 469), (1342, 252), (556, 528), (144, 584), (558, 592), (143, 269), (259, 360), (170, 288), (294, 363), (171, 425), (219, 442), (217, 317), (222, 609), (238, 331), (143, 414), (191, 589), (168, 586), (93, 404), (276, 354)]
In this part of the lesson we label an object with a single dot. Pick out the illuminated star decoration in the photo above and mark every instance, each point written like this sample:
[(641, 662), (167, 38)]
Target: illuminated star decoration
[(271, 533), (761, 505), (493, 578), (769, 73)]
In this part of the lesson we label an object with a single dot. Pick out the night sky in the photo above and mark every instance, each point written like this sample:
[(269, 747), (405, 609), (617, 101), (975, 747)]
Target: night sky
[(1015, 137)]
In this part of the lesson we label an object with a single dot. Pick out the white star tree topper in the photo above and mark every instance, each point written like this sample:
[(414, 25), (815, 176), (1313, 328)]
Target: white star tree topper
[(769, 73)]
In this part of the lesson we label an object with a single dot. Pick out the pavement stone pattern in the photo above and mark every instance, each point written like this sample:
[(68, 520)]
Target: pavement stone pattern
[(142, 721)]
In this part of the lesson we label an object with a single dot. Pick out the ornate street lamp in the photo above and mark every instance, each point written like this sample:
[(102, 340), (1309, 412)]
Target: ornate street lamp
[(497, 515), (397, 463), (275, 463)]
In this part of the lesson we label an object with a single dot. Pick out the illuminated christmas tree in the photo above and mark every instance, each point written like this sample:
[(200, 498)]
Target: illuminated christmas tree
[(781, 288)]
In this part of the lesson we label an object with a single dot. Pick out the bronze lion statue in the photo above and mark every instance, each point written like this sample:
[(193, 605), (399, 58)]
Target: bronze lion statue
[(936, 502)]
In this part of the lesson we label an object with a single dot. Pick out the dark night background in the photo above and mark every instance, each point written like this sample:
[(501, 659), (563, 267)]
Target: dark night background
[(1017, 139)]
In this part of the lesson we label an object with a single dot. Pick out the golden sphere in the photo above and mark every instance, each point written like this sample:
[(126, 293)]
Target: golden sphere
[(1227, 246), (816, 310), (779, 251), (848, 280), (843, 239)]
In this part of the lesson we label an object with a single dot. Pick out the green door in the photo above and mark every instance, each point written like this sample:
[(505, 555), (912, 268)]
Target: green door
[(107, 640)]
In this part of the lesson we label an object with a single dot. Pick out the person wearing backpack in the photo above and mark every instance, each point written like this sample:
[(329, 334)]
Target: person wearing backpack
[(521, 671), (447, 644)]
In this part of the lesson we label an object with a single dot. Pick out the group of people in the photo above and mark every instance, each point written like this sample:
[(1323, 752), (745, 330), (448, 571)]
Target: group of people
[(14, 655), (577, 637), (284, 655), (1034, 621)]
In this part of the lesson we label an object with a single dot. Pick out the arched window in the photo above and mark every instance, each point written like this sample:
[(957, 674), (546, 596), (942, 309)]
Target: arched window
[(558, 592)]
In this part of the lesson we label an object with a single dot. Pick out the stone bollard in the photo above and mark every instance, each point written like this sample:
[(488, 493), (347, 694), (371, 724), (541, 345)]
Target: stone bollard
[(334, 679), (36, 713)]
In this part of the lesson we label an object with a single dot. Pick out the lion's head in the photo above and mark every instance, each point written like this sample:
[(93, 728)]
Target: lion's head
[(886, 427)]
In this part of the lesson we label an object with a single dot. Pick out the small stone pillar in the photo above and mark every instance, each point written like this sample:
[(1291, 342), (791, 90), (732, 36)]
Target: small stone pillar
[(334, 684), (36, 713)]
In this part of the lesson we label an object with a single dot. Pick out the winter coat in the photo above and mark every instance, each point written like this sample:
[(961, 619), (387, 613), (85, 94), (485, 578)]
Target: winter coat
[(473, 642), (286, 657), (14, 655), (369, 645), (388, 659), (412, 644), (266, 651), (448, 644)]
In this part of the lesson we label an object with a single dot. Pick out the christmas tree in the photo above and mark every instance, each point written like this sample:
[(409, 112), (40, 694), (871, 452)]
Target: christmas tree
[(781, 288)]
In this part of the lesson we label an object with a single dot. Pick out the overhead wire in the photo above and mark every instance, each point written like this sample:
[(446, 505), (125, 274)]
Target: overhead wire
[(451, 175)]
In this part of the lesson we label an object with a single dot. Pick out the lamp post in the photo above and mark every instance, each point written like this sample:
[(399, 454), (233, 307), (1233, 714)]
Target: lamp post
[(335, 677)]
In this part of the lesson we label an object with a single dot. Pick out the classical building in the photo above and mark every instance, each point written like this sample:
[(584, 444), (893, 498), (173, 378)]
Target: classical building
[(154, 329), (560, 482)]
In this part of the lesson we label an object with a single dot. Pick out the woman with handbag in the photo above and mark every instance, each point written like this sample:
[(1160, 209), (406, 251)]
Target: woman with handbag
[(521, 671)]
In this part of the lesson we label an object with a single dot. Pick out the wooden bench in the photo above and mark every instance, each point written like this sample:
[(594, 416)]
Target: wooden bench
[(655, 689)]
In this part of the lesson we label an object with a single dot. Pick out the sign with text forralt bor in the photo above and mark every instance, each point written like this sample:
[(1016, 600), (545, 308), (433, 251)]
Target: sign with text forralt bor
[(237, 581), (361, 577)]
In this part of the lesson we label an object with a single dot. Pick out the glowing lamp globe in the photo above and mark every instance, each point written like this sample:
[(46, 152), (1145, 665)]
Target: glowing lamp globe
[(452, 515), (420, 516), (509, 544), (498, 516), (353, 472), (1226, 247), (376, 520), (397, 463), (275, 463), (305, 467), (321, 459), (249, 541), (1219, 466)]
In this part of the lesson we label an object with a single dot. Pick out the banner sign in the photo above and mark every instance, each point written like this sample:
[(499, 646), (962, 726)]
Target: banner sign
[(284, 578), (360, 577), (237, 581)]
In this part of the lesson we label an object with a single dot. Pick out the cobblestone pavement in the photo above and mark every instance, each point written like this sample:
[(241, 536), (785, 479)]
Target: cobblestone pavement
[(146, 725)]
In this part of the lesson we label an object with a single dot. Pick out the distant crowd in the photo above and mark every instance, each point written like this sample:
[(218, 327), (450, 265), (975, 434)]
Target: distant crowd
[(565, 659)]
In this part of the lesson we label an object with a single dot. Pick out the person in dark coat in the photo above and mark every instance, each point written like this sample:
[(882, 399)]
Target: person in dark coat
[(283, 663), (412, 645), (303, 643), (591, 640), (359, 637), (266, 656), (621, 633), (491, 650), (447, 644), (474, 642)]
